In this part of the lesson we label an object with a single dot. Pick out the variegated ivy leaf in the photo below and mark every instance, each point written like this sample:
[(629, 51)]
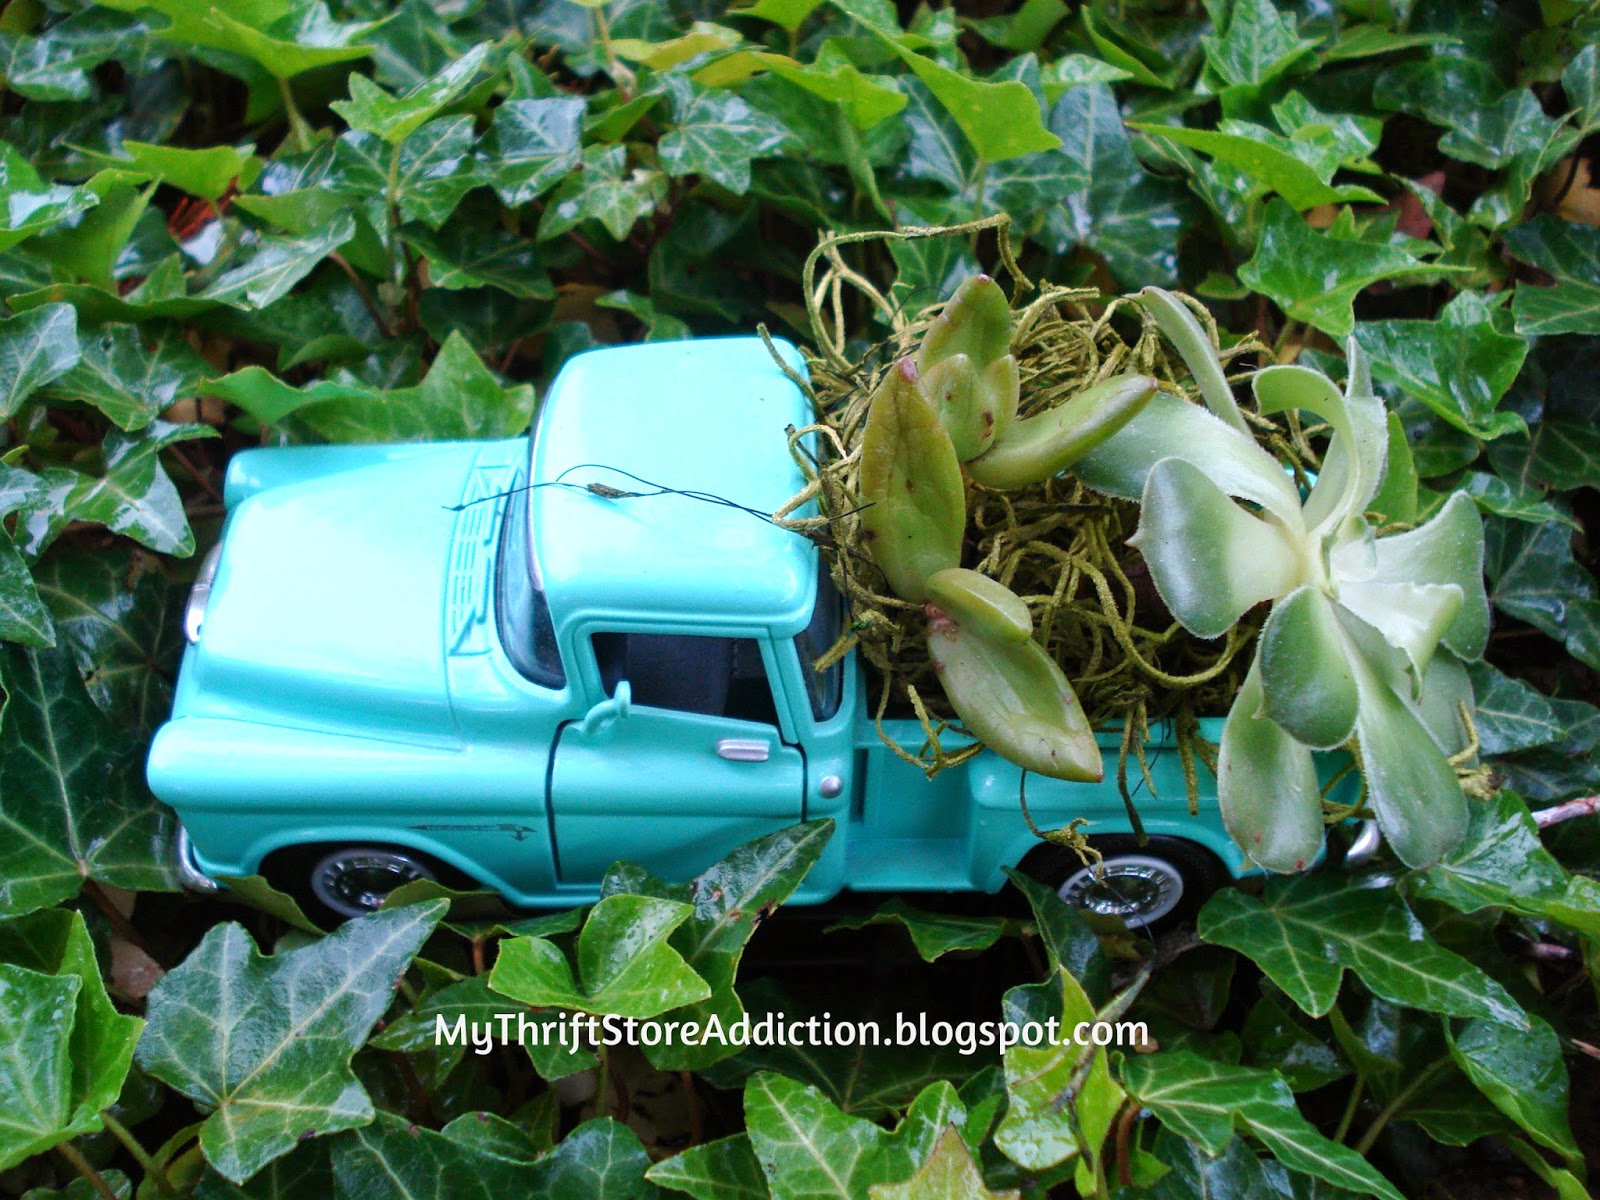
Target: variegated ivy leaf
[(263, 1043), (73, 805)]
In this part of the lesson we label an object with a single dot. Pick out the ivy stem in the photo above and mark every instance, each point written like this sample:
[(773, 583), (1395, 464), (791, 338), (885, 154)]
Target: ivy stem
[(81, 1165), (620, 75), (297, 121), (1395, 1105), (397, 270), (1350, 1107), (152, 1168)]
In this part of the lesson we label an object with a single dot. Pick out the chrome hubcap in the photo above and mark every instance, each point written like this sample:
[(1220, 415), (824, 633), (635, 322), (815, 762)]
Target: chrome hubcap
[(355, 880), (1135, 887)]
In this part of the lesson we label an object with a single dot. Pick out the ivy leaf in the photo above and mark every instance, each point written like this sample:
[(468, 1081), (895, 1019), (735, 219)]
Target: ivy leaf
[(1571, 255), (1038, 1132), (276, 264), (1208, 1101), (35, 1068), (1502, 863), (625, 964), (1509, 714), (1000, 120), (304, 1171), (130, 380), (472, 1000), (1515, 499), (530, 146), (726, 1169), (55, 66), (134, 496), (264, 1043), (948, 1172), (284, 37), (933, 934), (206, 173), (716, 134), (470, 254), (434, 170), (1523, 1073), (458, 398), (1123, 214), (1534, 578), (372, 110), (1256, 45), (1276, 163), (391, 1159), (808, 1149), (120, 618), (28, 204), (72, 805), (1460, 365), (23, 617), (604, 190), (97, 1041), (728, 902), (1307, 931), (35, 347), (1315, 275)]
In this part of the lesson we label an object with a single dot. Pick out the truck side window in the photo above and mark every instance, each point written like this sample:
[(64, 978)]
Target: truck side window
[(526, 632), (826, 688), (714, 676)]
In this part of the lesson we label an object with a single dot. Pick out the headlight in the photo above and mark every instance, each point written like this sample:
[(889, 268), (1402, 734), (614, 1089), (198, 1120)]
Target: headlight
[(194, 612)]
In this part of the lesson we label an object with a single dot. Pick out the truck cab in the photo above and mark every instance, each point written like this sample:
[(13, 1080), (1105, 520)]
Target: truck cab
[(512, 663)]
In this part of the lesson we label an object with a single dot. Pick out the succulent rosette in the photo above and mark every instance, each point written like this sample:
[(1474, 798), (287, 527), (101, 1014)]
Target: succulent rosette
[(1369, 626)]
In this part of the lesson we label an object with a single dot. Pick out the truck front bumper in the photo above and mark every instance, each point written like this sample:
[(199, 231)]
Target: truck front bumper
[(189, 872)]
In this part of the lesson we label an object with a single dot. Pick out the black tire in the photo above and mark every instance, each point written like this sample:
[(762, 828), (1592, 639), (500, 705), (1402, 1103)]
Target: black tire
[(335, 883), (1189, 868)]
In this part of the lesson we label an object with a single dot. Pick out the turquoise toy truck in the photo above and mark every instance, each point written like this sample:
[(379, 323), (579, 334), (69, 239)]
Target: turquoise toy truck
[(460, 661)]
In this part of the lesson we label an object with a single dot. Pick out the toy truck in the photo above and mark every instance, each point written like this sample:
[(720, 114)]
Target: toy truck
[(459, 661)]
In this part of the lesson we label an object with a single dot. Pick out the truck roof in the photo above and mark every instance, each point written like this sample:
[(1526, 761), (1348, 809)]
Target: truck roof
[(707, 416)]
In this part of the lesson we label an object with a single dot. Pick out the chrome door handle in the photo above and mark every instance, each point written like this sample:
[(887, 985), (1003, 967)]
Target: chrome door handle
[(744, 749)]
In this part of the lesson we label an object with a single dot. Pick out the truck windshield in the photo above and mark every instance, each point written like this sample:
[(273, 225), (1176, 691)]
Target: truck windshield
[(526, 631), (827, 686)]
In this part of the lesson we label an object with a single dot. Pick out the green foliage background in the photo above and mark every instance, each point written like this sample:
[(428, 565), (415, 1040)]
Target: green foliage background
[(290, 220)]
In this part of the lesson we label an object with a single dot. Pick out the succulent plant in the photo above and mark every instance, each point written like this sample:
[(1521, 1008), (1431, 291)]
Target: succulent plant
[(956, 403), (1365, 637)]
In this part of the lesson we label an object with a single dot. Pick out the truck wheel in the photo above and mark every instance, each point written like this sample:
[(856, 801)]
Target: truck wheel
[(1162, 883), (336, 883)]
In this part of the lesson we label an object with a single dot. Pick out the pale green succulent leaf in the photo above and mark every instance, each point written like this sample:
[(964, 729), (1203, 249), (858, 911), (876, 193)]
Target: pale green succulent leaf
[(1035, 448), (1267, 786), (1307, 683), (1446, 550), (1411, 785), (980, 603), (975, 405), (976, 322), (911, 483), (1170, 427), (1412, 617), (1353, 466), (1012, 695), (1186, 334), (1211, 560)]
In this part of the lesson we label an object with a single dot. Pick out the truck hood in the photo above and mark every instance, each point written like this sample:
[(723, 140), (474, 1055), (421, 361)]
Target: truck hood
[(328, 610)]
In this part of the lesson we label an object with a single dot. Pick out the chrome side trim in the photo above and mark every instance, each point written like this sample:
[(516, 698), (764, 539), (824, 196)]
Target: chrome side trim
[(189, 874), (1365, 846), (194, 612)]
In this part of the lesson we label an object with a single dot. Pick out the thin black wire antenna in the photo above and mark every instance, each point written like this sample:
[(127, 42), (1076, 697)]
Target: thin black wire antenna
[(606, 491)]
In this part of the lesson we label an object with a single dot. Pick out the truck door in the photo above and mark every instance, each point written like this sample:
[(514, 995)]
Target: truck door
[(696, 767)]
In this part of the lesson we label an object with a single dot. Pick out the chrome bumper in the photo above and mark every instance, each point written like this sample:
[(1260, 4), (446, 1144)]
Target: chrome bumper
[(189, 872), (1365, 846)]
